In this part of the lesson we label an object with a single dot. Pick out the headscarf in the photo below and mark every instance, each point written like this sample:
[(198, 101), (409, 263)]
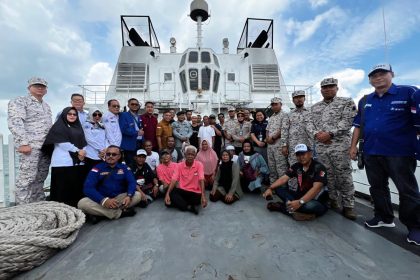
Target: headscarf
[(251, 152), (63, 131), (92, 120), (225, 170), (208, 158)]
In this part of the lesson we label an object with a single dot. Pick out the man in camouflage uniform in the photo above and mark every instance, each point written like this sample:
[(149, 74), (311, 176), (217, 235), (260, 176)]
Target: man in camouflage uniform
[(29, 120), (229, 126), (332, 120), (277, 162), (241, 131), (294, 127)]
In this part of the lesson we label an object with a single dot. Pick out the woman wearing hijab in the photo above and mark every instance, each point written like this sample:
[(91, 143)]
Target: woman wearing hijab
[(208, 157), (67, 139), (254, 169), (226, 186), (258, 133), (95, 137)]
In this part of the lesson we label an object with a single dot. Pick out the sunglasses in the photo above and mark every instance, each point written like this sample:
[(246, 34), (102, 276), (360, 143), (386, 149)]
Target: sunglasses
[(112, 154), (115, 106), (71, 114), (97, 114), (134, 104)]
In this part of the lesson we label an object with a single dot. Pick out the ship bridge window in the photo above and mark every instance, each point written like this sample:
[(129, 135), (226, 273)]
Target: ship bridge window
[(167, 77), (182, 60), (216, 60), (193, 75), (231, 77), (193, 57), (216, 81), (205, 78), (205, 57), (183, 81)]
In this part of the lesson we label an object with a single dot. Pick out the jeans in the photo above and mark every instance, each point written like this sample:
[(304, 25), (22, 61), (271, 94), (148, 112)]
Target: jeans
[(401, 170), (315, 206)]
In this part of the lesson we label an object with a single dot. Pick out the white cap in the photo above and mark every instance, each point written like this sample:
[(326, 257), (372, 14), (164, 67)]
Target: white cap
[(385, 67), (230, 148), (301, 148), (141, 152)]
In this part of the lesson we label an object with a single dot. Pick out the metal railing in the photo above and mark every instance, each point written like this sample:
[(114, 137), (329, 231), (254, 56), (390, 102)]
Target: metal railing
[(7, 192)]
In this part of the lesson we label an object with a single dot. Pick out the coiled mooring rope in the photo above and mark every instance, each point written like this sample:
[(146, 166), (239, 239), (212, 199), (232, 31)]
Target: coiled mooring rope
[(31, 233)]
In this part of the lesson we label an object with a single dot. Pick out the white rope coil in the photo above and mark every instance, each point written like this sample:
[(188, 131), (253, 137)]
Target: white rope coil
[(31, 233)]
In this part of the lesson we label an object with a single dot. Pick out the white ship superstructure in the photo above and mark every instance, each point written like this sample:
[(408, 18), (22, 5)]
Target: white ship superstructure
[(197, 78)]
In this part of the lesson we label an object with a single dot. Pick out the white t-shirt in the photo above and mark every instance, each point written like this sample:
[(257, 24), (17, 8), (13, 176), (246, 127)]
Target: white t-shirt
[(206, 133), (153, 160)]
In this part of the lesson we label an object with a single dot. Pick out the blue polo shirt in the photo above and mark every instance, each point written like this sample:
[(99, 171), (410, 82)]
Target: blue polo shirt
[(390, 122), (105, 181)]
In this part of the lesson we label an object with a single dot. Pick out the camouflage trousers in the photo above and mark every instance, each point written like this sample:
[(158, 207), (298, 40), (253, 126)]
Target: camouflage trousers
[(33, 170), (277, 163), (340, 180)]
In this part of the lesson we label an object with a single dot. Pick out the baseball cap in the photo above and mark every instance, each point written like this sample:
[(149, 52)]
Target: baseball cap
[(384, 67), (156, 111), (329, 82), (141, 152), (230, 148), (276, 100), (231, 108), (298, 93), (301, 148), (37, 81), (212, 116), (180, 113)]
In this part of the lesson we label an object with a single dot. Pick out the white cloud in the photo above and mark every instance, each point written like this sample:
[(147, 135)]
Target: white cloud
[(303, 31), (318, 3)]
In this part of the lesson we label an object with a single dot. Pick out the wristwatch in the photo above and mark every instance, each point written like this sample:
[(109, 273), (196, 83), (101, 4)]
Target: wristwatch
[(301, 202)]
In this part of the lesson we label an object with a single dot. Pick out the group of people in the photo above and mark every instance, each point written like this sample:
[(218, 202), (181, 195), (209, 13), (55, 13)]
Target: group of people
[(107, 162)]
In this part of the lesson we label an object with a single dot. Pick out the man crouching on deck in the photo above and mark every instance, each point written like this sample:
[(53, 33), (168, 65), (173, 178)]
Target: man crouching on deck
[(189, 175), (110, 188), (309, 200)]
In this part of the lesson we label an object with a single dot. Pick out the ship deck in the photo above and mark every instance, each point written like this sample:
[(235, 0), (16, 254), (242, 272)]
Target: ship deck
[(242, 241)]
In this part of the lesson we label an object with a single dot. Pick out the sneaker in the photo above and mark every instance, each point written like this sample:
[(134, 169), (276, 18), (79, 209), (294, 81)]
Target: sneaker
[(93, 219), (349, 213), (277, 206), (129, 212), (192, 209), (413, 237), (298, 216), (377, 222)]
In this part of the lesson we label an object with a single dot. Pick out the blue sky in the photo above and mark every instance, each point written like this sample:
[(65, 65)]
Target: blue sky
[(78, 42)]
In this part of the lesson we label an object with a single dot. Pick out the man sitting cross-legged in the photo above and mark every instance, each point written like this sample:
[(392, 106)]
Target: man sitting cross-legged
[(110, 189), (310, 198)]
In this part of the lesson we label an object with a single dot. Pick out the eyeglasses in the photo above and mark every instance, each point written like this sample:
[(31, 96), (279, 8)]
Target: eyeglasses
[(97, 114), (112, 154), (134, 104), (71, 114), (115, 106)]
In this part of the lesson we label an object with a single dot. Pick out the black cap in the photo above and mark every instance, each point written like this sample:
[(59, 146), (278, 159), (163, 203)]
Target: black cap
[(180, 113)]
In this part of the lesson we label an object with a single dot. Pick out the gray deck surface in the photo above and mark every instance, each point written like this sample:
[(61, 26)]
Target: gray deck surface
[(242, 241)]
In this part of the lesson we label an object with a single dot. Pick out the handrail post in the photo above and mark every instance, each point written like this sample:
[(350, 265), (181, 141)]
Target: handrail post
[(12, 171), (2, 185)]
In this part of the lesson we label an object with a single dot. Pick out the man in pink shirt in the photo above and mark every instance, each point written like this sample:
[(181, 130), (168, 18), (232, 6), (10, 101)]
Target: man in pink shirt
[(165, 170), (189, 192)]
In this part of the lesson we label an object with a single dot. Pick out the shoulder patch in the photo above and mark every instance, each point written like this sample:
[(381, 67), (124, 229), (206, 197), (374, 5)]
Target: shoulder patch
[(322, 173)]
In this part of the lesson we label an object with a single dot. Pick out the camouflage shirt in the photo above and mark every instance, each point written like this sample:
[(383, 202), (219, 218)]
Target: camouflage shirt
[(29, 120), (293, 130), (241, 130), (275, 123), (335, 117)]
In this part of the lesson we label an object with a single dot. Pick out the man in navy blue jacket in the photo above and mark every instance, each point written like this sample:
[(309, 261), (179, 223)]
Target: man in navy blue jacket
[(132, 131), (110, 188), (389, 135)]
